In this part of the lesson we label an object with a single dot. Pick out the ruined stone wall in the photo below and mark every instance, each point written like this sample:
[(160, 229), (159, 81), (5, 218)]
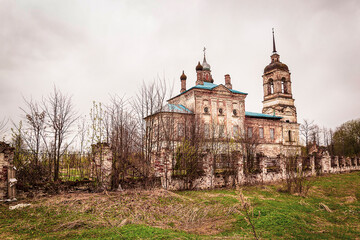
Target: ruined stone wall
[(7, 172), (101, 164), (272, 169), (3, 176)]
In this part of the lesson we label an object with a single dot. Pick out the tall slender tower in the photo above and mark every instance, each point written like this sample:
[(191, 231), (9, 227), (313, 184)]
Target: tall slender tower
[(278, 98)]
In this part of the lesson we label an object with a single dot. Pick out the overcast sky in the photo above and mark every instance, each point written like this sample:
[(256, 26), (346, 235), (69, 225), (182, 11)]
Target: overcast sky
[(93, 49)]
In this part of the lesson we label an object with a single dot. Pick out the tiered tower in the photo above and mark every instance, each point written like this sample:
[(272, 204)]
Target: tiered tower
[(203, 72), (278, 98)]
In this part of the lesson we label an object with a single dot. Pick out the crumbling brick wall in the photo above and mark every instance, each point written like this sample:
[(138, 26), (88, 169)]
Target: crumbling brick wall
[(272, 169), (7, 172), (101, 164)]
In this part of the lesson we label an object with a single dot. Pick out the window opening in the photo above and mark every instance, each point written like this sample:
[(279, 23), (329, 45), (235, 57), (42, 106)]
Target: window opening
[(261, 132)]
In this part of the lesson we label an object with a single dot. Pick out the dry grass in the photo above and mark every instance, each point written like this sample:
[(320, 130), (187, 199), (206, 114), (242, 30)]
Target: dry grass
[(157, 208)]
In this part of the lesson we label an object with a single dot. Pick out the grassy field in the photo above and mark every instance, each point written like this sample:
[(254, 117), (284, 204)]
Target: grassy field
[(330, 211)]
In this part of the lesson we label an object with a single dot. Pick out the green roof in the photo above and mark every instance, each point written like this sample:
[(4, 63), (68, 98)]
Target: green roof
[(209, 86), (177, 108), (261, 115)]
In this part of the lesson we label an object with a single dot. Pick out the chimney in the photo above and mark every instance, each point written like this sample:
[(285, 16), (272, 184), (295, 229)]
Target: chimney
[(228, 81), (183, 82)]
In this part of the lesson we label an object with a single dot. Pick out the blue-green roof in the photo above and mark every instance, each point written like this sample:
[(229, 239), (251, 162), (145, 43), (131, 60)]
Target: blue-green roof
[(261, 115), (209, 86), (177, 108)]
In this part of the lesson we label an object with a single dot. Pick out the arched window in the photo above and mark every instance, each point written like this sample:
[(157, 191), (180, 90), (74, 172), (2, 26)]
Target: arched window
[(283, 85), (289, 135), (271, 86)]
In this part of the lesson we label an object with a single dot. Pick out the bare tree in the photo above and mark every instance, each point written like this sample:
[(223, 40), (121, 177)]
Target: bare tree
[(61, 117), (33, 131), (315, 134), (81, 135), (123, 138), (249, 143), (149, 100), (325, 136), (18, 144), (3, 124), (97, 130), (306, 129)]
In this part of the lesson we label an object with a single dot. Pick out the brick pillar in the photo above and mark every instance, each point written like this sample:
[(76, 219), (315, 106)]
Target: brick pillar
[(7, 172), (299, 163), (348, 163), (263, 168), (208, 170), (282, 160), (325, 163), (312, 165), (240, 170), (337, 163), (11, 183), (102, 164), (341, 162)]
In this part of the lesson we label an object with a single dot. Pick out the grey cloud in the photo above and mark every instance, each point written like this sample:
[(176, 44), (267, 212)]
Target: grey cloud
[(91, 49)]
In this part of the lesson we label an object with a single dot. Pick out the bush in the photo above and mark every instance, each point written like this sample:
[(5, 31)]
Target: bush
[(296, 182)]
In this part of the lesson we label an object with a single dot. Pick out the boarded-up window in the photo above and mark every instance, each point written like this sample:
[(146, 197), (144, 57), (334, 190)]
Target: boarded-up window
[(236, 132), (250, 132), (181, 129), (261, 132), (221, 131), (206, 130), (272, 133)]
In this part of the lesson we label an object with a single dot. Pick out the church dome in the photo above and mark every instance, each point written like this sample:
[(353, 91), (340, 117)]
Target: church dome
[(183, 76), (205, 65), (276, 65), (199, 67)]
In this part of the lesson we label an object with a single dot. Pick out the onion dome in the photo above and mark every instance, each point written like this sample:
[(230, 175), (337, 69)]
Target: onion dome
[(205, 65), (183, 76), (199, 67)]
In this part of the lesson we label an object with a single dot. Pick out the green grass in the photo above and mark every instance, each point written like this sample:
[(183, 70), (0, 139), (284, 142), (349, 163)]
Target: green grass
[(210, 214)]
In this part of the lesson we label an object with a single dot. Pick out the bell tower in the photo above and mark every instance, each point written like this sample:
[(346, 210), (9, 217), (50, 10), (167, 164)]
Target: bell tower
[(203, 72), (278, 99)]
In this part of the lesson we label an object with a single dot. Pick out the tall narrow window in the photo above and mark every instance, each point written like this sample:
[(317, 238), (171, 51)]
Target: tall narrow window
[(221, 131), (271, 86), (206, 130), (272, 133), (249, 132), (283, 85), (261, 132), (236, 132), (181, 129), (289, 135)]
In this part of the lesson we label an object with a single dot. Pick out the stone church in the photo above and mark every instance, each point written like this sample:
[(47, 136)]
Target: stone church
[(220, 113)]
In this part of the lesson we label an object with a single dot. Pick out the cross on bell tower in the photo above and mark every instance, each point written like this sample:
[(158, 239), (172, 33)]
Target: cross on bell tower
[(203, 71)]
